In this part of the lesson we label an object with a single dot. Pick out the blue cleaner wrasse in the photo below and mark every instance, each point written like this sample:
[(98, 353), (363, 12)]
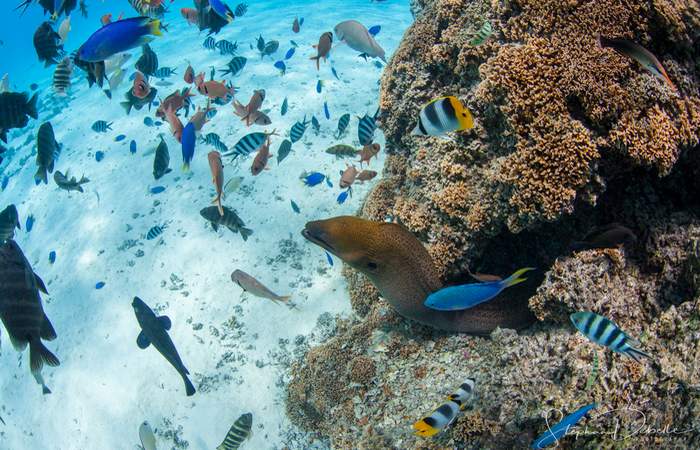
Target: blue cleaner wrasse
[(558, 431), (465, 296)]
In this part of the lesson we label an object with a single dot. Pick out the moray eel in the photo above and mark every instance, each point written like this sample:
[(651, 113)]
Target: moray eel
[(401, 268)]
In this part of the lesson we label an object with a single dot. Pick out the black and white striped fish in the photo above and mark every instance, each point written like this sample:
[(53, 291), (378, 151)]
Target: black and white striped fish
[(343, 123), (604, 332), (61, 77), (248, 144), (215, 140), (298, 129), (100, 126), (234, 66), (444, 415), (227, 47), (366, 128), (155, 231), (164, 72), (239, 432), (241, 9), (209, 43)]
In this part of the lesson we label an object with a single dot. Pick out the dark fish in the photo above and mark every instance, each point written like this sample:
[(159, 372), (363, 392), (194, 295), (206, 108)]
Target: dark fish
[(157, 189), (608, 236), (285, 107), (132, 146), (234, 66), (329, 258), (52, 256), (99, 285), (137, 103), (239, 432), (161, 162), (47, 44), (295, 207), (270, 48), (343, 123), (326, 112), (208, 19), (229, 220), (241, 9), (67, 184), (9, 220), (29, 224), (99, 155), (638, 53), (101, 126), (148, 121), (283, 151), (95, 71), (209, 43), (147, 64), (298, 129), (366, 128), (21, 310), (47, 152), (154, 331), (315, 124), (15, 110), (227, 47), (155, 231), (260, 44)]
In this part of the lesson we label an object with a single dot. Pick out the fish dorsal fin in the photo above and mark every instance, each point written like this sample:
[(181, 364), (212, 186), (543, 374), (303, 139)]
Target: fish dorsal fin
[(142, 340), (165, 322)]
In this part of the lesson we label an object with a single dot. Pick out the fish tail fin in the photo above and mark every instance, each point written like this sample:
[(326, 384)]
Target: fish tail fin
[(245, 233), (45, 390), (637, 354), (108, 93), (602, 41), (126, 106), (39, 354), (515, 278), (40, 176), (154, 27), (31, 106), (189, 387)]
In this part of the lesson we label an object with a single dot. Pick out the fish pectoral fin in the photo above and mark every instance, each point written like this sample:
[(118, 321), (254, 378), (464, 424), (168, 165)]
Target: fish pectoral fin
[(40, 284), (142, 340), (47, 331), (165, 322)]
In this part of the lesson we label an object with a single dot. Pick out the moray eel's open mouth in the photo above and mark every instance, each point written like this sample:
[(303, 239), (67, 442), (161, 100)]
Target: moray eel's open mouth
[(315, 235)]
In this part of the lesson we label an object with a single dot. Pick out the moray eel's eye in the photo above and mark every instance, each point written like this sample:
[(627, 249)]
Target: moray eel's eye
[(371, 265)]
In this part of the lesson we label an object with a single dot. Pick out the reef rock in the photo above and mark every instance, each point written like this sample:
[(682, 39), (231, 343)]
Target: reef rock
[(568, 136)]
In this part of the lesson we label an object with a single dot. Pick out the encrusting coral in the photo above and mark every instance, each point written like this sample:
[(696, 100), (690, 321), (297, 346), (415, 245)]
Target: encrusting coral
[(567, 136)]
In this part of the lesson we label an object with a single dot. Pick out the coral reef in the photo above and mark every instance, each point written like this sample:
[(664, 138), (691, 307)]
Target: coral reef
[(568, 136)]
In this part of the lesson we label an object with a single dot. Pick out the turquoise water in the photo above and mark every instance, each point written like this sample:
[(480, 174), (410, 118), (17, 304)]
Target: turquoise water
[(237, 347)]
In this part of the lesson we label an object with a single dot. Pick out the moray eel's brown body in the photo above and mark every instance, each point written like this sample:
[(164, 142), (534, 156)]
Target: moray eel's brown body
[(403, 272)]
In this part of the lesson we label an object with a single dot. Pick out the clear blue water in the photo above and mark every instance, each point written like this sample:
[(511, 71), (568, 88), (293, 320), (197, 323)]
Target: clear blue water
[(237, 347)]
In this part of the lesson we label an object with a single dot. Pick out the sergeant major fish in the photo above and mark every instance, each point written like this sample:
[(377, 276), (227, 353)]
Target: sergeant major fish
[(239, 432)]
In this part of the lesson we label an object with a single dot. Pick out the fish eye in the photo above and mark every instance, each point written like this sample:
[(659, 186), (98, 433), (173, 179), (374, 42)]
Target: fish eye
[(372, 265)]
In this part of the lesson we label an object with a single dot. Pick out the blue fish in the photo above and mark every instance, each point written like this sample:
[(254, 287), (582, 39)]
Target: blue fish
[(157, 189), (132, 146), (148, 121), (159, 123), (330, 260), (325, 111), (222, 10), (343, 196), (99, 156), (52, 256), (188, 141), (281, 66), (155, 102), (30, 223), (120, 138), (295, 207), (335, 74), (558, 431), (465, 296), (100, 285), (290, 53), (375, 30), (315, 124), (284, 108), (118, 36), (314, 178), (5, 181), (319, 86)]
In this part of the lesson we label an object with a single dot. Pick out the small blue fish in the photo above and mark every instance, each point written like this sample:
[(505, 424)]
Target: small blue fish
[(330, 260), (558, 431), (120, 138), (30, 223), (314, 178), (603, 331), (294, 44), (281, 66), (155, 102), (325, 111), (328, 182), (377, 64), (465, 296), (5, 181), (290, 53), (52, 256), (188, 143), (211, 113), (148, 121), (99, 156), (315, 124), (284, 108), (100, 285), (155, 231), (132, 146), (335, 74), (295, 207), (157, 189), (319, 86), (159, 123), (375, 30), (343, 196)]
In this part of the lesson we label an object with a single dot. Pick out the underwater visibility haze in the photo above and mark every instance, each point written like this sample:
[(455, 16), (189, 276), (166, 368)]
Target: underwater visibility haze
[(361, 224)]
